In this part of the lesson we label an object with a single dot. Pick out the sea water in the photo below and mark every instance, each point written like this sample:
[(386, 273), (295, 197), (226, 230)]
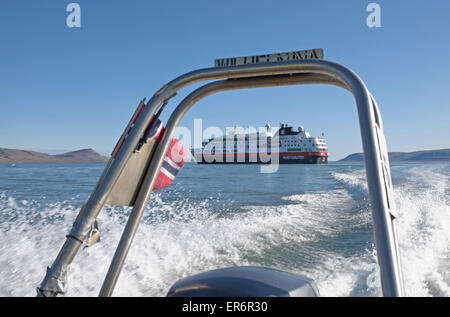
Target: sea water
[(312, 220)]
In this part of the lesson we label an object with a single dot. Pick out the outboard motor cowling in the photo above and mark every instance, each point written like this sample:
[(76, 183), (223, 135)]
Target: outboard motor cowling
[(244, 281)]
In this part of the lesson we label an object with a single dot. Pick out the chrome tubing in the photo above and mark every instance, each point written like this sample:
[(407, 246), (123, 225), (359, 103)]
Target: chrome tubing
[(383, 221), (384, 226)]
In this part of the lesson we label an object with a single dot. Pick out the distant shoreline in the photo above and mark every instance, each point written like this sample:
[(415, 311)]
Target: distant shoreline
[(84, 156), (442, 155), (90, 156)]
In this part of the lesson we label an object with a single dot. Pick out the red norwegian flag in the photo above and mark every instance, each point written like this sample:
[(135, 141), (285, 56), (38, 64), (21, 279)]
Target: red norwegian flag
[(174, 160), (175, 157)]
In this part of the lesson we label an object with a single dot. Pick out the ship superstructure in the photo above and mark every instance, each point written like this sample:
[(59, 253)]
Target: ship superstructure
[(285, 146)]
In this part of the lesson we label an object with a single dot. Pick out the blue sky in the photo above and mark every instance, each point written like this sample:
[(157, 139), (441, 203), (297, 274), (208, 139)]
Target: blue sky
[(72, 88)]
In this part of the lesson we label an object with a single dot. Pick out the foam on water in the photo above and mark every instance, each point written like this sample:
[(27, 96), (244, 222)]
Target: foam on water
[(421, 197), (27, 242), (424, 231), (343, 210), (329, 232)]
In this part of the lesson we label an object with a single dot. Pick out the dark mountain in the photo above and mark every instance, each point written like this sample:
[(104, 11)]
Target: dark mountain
[(11, 156), (430, 155), (82, 156)]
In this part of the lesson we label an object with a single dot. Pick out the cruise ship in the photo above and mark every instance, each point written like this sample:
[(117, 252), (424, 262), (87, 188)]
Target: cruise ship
[(284, 146)]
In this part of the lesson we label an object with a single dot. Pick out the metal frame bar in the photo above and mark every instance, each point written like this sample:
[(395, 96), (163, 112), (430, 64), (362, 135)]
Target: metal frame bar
[(247, 76)]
